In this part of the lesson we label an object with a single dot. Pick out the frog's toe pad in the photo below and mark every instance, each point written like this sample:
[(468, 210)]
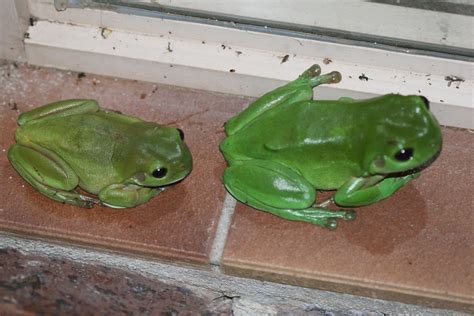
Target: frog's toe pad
[(350, 215), (311, 72), (331, 224), (314, 70)]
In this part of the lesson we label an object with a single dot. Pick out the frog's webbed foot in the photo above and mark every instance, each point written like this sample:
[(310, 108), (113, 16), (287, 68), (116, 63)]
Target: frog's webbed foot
[(74, 198), (331, 222), (313, 76), (323, 217), (89, 201)]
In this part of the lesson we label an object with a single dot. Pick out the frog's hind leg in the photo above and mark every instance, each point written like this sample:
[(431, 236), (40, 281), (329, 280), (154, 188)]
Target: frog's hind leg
[(59, 109), (297, 90), (314, 215), (275, 188), (49, 174)]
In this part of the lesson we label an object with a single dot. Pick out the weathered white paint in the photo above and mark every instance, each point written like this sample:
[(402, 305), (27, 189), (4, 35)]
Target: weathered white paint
[(13, 24)]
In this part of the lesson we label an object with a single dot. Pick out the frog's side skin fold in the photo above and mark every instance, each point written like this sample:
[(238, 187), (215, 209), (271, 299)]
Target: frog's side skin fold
[(71, 144), (285, 146)]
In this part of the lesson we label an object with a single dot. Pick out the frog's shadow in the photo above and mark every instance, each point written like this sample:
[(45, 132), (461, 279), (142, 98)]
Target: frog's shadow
[(382, 227), (378, 228), (145, 215)]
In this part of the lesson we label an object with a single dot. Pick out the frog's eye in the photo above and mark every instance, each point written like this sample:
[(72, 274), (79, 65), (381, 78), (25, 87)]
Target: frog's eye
[(404, 154), (426, 102), (159, 172), (181, 133)]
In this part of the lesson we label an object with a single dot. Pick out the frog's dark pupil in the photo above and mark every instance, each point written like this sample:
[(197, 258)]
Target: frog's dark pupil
[(404, 154), (181, 133), (159, 172)]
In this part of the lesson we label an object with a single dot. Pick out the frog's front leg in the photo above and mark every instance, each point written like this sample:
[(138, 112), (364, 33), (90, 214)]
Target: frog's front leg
[(127, 195), (48, 173), (297, 90), (368, 190), (275, 188), (59, 109)]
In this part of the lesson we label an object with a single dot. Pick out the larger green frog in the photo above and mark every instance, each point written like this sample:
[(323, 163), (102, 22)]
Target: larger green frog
[(74, 144), (285, 146)]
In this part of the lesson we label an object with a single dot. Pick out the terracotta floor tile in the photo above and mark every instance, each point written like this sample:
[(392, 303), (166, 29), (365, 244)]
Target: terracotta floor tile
[(179, 223), (416, 246)]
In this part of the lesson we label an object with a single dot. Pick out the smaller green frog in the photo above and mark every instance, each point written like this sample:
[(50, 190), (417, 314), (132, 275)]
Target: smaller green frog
[(71, 144), (285, 146)]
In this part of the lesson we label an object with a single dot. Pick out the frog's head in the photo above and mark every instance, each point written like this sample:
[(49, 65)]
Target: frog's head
[(161, 158), (406, 134)]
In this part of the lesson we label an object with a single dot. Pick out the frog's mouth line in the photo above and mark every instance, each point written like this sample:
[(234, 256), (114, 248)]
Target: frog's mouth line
[(179, 177), (164, 186), (417, 169)]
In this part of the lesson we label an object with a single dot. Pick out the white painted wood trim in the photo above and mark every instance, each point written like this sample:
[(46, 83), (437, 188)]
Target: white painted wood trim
[(202, 56)]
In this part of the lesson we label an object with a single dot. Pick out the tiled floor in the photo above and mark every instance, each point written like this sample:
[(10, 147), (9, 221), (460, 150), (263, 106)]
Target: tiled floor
[(415, 246), (177, 224)]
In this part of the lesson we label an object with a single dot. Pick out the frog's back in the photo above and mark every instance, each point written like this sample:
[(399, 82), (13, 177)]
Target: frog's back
[(74, 131), (87, 142), (313, 137)]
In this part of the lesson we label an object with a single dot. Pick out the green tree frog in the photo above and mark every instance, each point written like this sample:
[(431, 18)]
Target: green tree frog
[(71, 144), (285, 146)]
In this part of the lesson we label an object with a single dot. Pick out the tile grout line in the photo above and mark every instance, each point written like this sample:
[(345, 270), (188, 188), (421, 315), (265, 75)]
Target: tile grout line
[(223, 227)]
